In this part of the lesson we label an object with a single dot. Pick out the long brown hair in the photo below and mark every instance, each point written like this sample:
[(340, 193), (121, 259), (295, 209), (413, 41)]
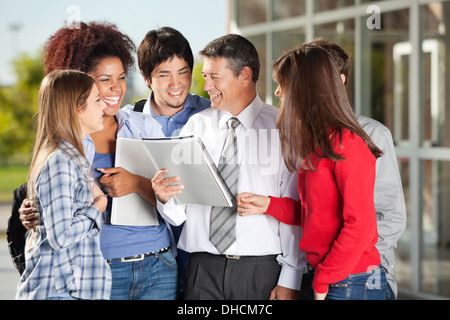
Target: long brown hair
[(62, 93), (314, 107)]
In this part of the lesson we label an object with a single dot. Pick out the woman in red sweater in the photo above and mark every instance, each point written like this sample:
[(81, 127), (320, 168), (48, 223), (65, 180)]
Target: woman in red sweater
[(336, 176)]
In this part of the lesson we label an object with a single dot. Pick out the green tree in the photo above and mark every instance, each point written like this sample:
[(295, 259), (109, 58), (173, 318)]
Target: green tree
[(18, 105), (198, 81)]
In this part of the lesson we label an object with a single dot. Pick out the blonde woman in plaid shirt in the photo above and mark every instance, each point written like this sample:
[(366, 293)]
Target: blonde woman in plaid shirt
[(63, 257)]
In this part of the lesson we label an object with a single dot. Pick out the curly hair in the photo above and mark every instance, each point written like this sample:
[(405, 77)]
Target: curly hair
[(81, 48)]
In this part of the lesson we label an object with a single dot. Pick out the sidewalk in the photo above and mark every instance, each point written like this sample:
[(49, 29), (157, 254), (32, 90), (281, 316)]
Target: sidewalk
[(5, 213), (8, 274)]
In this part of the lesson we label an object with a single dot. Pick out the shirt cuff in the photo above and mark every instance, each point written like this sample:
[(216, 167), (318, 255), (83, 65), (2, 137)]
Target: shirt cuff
[(290, 278), (171, 212), (93, 213)]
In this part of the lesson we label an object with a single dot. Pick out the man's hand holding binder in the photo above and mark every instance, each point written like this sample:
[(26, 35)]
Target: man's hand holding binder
[(163, 188)]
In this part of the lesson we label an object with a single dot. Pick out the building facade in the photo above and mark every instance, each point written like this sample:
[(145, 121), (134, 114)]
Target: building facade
[(400, 77)]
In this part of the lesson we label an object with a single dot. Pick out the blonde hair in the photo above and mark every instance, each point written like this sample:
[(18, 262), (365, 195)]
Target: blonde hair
[(61, 95)]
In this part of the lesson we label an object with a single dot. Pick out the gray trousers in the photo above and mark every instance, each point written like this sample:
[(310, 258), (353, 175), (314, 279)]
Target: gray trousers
[(216, 277)]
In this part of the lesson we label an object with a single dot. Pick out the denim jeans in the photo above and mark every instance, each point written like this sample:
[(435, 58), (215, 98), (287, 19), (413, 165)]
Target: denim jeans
[(370, 285), (65, 296), (390, 295), (153, 278)]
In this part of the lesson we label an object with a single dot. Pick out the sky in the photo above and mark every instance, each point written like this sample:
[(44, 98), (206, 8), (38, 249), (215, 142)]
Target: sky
[(200, 21)]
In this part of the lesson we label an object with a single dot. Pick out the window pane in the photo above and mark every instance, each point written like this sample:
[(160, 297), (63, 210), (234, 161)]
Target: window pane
[(341, 32), (260, 44), (287, 8), (286, 40), (283, 41), (403, 268), (435, 83), (322, 5), (250, 12), (436, 228), (385, 72)]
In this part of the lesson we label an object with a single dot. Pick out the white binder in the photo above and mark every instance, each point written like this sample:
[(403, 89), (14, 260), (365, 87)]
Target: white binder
[(185, 157)]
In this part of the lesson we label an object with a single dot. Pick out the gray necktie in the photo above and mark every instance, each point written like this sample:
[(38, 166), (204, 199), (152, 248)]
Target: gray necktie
[(222, 231)]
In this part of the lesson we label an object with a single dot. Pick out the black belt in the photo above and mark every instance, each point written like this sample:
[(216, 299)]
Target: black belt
[(140, 256), (233, 257)]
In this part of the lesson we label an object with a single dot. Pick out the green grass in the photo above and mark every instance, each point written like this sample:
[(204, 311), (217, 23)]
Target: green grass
[(11, 177)]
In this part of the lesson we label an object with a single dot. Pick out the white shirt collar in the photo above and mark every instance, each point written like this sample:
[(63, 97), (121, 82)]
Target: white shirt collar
[(246, 117)]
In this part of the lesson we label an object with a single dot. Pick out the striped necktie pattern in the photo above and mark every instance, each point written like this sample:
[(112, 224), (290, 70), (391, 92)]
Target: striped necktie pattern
[(222, 232)]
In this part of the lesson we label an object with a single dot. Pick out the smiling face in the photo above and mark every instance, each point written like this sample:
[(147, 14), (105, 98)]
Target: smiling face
[(226, 91), (109, 76), (91, 116), (170, 82)]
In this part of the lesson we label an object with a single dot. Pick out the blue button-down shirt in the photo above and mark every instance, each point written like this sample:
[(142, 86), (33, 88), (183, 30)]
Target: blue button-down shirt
[(171, 126), (118, 241), (132, 125), (63, 255)]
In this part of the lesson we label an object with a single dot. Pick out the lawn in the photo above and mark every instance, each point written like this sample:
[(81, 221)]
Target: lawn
[(11, 177)]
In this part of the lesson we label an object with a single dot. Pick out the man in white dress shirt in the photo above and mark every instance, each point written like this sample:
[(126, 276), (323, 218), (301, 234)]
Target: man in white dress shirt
[(262, 261)]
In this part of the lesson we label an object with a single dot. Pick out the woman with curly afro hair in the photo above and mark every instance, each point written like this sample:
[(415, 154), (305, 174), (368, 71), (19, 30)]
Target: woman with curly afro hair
[(142, 264), (80, 48)]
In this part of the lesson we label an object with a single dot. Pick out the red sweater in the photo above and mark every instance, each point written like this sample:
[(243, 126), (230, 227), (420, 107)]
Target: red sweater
[(337, 213)]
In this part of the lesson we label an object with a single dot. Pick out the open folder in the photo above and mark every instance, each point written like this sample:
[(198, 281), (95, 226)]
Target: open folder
[(185, 157), (131, 209)]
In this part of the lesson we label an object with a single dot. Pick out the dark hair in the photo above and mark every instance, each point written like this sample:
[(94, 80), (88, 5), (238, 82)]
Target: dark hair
[(81, 48), (343, 59), (161, 45), (239, 52), (314, 109)]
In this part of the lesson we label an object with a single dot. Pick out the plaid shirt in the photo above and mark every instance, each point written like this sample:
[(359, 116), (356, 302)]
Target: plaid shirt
[(63, 255)]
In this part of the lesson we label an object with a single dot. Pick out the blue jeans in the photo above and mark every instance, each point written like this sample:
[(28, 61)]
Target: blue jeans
[(62, 297), (390, 295), (370, 285), (153, 278)]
